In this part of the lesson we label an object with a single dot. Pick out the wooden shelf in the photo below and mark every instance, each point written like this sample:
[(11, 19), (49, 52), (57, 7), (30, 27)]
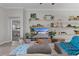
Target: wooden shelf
[(63, 27), (41, 20)]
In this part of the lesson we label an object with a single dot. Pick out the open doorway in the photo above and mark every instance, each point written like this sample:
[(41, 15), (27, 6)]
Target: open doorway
[(15, 30)]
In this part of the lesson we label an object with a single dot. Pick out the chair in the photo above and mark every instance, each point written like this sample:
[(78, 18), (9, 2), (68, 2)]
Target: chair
[(69, 48)]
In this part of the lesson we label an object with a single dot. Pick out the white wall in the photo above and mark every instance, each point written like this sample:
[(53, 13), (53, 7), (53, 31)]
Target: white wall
[(3, 26)]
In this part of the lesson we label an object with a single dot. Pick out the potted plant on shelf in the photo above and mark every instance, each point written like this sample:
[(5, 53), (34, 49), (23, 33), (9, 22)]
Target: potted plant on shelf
[(27, 35), (51, 34)]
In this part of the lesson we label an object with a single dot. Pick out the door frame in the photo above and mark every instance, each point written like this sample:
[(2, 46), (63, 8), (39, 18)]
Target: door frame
[(11, 26)]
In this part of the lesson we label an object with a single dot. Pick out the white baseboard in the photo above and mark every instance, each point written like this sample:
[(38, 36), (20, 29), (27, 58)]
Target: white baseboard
[(5, 42)]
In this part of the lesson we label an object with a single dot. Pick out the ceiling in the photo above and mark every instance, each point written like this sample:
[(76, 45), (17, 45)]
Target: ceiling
[(41, 6)]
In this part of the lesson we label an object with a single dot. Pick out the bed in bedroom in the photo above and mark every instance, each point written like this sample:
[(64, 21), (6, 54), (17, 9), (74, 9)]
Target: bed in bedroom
[(31, 49)]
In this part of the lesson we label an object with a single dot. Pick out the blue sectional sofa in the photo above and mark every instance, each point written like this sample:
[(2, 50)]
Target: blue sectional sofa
[(69, 48)]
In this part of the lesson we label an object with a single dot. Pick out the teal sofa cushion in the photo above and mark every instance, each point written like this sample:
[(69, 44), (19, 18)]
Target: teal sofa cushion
[(69, 48), (72, 47), (75, 41)]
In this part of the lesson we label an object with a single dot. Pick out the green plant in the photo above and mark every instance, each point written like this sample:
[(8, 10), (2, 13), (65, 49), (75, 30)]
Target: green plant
[(27, 35), (52, 33)]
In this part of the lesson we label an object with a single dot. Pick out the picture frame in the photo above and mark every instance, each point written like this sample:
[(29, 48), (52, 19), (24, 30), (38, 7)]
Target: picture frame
[(48, 17)]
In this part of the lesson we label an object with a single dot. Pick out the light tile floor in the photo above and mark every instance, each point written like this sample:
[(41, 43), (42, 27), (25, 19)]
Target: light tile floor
[(6, 48)]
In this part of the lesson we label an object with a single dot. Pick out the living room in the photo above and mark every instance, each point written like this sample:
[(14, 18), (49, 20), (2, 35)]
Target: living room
[(54, 22)]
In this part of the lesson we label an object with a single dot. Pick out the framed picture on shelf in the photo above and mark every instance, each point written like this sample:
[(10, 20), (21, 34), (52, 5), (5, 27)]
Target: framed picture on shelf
[(48, 17)]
